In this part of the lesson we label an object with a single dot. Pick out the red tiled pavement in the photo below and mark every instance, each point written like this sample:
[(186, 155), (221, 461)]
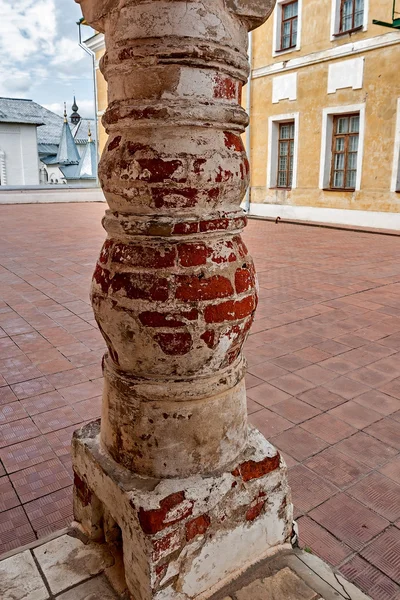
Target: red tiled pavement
[(323, 382)]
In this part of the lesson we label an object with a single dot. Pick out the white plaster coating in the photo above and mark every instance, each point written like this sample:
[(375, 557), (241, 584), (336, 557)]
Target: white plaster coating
[(284, 87), (20, 579), (356, 218), (216, 496), (346, 74), (239, 546)]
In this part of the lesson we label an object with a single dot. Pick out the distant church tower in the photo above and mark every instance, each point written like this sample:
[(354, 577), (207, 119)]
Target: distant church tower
[(75, 116)]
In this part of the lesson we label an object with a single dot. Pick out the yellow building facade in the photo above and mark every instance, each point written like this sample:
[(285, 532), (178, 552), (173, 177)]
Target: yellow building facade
[(324, 105), (325, 113)]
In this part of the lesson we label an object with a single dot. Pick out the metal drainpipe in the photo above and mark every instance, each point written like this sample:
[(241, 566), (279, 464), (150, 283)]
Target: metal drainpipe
[(248, 130), (93, 57)]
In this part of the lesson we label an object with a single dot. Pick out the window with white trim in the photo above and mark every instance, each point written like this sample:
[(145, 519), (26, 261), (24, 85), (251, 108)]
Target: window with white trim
[(285, 155), (348, 16), (287, 26), (345, 140), (342, 147), (282, 151)]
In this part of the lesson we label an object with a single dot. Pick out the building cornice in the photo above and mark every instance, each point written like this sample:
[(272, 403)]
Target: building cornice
[(373, 43), (96, 42)]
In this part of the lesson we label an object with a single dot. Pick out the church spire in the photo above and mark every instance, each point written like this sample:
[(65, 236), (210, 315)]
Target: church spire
[(75, 116), (65, 113)]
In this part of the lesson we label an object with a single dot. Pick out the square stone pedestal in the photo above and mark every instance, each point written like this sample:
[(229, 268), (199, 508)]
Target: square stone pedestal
[(183, 538)]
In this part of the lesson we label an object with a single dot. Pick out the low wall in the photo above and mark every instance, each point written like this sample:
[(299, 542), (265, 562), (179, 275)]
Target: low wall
[(355, 218), (44, 194)]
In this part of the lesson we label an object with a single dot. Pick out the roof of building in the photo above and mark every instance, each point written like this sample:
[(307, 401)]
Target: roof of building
[(67, 151), (81, 130), (19, 110), (87, 167)]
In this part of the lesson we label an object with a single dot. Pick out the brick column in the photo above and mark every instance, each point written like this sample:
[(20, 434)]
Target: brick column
[(174, 290)]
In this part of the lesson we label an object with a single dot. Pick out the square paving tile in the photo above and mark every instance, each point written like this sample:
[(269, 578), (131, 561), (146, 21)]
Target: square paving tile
[(316, 374), (15, 529), (269, 423), (378, 402), (82, 391), (58, 418), (308, 489), (384, 553), (26, 454), (267, 395), (50, 513), (345, 387), (291, 362), (295, 410), (366, 449), (252, 381), (8, 497), (321, 398), (348, 520), (18, 431), (392, 469), (12, 412), (339, 364), (7, 395), (355, 414), (40, 480), (20, 578), (292, 384), (371, 376), (329, 428), (60, 440), (253, 406), (58, 558), (370, 580), (267, 371), (299, 443), (43, 403), (387, 430), (336, 467), (392, 388), (379, 493), (321, 542), (26, 389)]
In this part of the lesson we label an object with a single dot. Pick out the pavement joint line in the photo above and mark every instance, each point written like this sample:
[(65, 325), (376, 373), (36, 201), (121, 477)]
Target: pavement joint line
[(42, 575)]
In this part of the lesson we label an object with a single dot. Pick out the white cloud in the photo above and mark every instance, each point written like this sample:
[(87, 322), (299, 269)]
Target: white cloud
[(86, 108), (26, 27), (39, 53)]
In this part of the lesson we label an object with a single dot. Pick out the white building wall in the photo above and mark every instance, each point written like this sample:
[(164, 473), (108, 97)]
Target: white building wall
[(19, 144)]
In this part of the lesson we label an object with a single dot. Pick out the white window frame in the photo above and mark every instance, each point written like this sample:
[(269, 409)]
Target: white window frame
[(276, 37), (395, 182), (273, 136), (326, 143), (335, 19)]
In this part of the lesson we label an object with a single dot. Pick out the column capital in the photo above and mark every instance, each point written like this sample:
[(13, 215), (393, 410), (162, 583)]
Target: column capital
[(253, 12)]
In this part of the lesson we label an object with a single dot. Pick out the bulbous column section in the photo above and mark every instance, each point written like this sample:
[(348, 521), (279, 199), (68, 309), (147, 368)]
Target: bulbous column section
[(174, 470), (174, 291)]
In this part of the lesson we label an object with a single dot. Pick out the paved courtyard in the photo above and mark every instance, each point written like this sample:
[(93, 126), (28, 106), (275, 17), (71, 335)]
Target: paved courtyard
[(323, 382)]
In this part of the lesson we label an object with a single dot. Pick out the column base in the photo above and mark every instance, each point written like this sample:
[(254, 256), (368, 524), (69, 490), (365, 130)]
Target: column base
[(183, 539)]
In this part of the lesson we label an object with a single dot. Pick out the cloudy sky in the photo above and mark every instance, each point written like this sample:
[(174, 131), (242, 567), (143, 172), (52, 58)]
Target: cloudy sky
[(39, 54)]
